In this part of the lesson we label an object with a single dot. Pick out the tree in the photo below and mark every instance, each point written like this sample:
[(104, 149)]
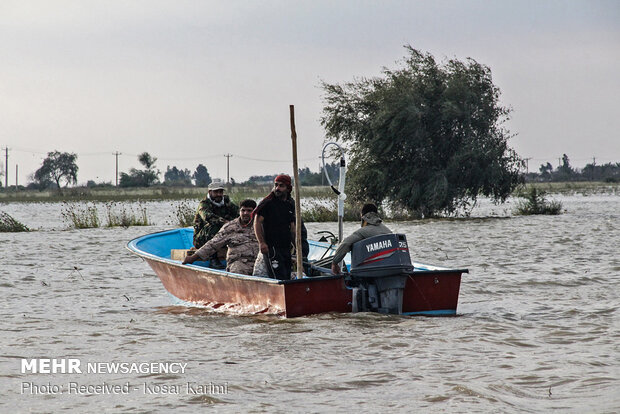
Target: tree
[(425, 137), (565, 169), (175, 177), (146, 160), (201, 175), (607, 172), (141, 178), (307, 177), (261, 179), (57, 167), (545, 171)]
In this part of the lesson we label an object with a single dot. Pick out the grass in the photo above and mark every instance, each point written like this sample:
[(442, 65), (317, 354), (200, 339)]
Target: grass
[(121, 215), (571, 187), (9, 225), (238, 193), (536, 203), (156, 193), (85, 216), (80, 216)]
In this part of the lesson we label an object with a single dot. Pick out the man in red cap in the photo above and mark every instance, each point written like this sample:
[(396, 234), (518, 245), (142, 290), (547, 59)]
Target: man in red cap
[(274, 225)]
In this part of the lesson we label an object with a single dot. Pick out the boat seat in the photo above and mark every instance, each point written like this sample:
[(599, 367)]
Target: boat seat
[(179, 254)]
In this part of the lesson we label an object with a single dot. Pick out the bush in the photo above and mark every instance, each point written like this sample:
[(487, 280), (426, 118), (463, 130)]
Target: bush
[(9, 225), (535, 203)]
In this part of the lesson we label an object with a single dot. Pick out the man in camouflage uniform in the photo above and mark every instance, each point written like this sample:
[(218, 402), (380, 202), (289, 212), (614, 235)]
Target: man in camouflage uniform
[(212, 213), (240, 238)]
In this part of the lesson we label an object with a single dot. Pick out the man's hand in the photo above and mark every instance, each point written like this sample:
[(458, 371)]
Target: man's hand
[(190, 259), (335, 269), (264, 249)]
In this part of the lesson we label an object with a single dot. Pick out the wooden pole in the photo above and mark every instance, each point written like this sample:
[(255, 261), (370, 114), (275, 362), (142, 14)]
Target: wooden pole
[(298, 248)]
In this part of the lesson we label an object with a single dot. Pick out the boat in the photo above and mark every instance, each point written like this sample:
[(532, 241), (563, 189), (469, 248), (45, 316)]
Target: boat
[(414, 288)]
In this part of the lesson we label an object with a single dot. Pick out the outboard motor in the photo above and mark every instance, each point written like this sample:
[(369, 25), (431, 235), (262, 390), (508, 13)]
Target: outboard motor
[(380, 266)]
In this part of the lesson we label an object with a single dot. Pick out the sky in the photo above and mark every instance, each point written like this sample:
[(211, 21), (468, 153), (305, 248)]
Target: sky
[(191, 81)]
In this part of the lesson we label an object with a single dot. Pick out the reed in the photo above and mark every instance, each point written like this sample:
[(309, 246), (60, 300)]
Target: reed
[(536, 203), (121, 215), (9, 225), (80, 216)]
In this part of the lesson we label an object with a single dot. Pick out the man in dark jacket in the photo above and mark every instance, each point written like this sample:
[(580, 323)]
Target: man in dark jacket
[(274, 224), (371, 226)]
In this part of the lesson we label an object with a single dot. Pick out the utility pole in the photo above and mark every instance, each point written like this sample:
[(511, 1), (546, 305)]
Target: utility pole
[(527, 165), (16, 172), (117, 154), (228, 167), (6, 167)]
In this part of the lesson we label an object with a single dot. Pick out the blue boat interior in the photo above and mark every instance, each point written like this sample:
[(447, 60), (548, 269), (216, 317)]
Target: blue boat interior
[(161, 244)]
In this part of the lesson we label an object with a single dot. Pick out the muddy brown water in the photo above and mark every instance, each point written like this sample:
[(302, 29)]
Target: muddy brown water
[(537, 327)]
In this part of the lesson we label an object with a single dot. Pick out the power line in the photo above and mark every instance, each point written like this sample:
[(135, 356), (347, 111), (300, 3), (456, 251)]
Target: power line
[(264, 160)]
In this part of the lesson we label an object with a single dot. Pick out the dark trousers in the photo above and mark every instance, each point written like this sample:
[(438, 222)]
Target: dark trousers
[(279, 263)]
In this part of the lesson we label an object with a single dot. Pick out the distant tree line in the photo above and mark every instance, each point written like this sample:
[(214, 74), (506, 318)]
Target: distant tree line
[(60, 169), (609, 172), (306, 177)]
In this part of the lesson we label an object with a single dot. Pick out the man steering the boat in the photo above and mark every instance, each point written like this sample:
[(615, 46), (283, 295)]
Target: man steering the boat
[(371, 226), (213, 212), (274, 225), (238, 235)]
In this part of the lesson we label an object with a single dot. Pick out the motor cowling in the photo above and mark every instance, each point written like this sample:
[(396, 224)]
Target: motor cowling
[(380, 266), (384, 255)]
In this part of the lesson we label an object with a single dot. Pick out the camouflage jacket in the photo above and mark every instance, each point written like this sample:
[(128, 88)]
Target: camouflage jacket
[(210, 218), (242, 246)]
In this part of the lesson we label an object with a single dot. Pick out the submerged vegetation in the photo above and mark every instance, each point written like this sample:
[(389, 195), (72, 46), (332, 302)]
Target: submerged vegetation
[(183, 214), (9, 225), (81, 208), (536, 203), (80, 216), (86, 216), (122, 215)]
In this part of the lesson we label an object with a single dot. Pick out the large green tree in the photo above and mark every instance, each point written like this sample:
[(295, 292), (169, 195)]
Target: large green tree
[(425, 137), (57, 167)]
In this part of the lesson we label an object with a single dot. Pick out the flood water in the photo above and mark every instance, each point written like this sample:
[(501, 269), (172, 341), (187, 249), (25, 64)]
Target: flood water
[(537, 327)]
